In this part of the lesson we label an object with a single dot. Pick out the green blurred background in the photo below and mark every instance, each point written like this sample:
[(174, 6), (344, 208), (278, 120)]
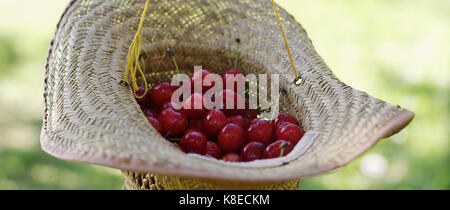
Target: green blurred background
[(396, 50)]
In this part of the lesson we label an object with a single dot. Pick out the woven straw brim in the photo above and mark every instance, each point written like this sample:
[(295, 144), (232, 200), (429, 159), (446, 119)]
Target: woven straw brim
[(89, 117)]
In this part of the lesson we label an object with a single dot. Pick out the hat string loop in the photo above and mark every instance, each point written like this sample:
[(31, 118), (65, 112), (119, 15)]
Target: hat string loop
[(133, 58), (285, 41), (135, 50)]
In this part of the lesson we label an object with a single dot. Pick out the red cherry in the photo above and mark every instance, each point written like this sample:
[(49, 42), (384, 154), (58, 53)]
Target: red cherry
[(231, 138), (179, 147), (176, 87), (161, 94), (289, 132), (275, 149), (253, 151), (230, 72), (166, 106), (192, 102), (231, 157), (260, 131), (229, 97), (251, 114), (174, 124), (151, 113), (200, 76), (282, 118), (144, 102), (194, 142), (214, 121), (196, 130), (213, 150), (196, 124), (242, 122), (210, 156), (155, 124)]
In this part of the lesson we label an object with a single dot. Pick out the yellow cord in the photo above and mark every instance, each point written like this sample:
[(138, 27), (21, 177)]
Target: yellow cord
[(135, 51), (285, 40), (133, 58)]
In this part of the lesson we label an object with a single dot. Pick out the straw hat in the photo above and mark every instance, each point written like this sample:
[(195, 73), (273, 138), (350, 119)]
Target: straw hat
[(91, 118)]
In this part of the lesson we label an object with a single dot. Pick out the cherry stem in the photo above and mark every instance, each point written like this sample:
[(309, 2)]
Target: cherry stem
[(238, 52), (174, 140), (174, 60), (284, 147)]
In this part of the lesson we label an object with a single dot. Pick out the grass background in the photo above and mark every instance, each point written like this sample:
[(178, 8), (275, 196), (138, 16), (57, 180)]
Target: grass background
[(396, 50)]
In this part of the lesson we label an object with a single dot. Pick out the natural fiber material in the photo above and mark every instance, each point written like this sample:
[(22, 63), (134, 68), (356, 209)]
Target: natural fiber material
[(149, 181), (90, 117)]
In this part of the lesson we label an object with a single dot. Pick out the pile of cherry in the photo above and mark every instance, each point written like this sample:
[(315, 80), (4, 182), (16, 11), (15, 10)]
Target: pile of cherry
[(233, 135)]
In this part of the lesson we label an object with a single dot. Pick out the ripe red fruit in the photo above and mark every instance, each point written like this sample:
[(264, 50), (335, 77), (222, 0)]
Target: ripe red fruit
[(144, 102), (229, 97), (242, 122), (151, 113), (214, 121), (193, 101), (230, 72), (282, 118), (194, 142), (213, 150), (161, 94), (200, 76), (251, 114), (155, 124), (253, 151), (289, 132), (179, 147), (231, 138), (278, 149), (196, 124), (231, 157), (260, 131), (174, 124), (166, 106)]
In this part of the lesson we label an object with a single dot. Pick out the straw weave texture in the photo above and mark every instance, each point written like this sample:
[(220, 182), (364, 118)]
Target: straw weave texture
[(149, 181), (89, 117)]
